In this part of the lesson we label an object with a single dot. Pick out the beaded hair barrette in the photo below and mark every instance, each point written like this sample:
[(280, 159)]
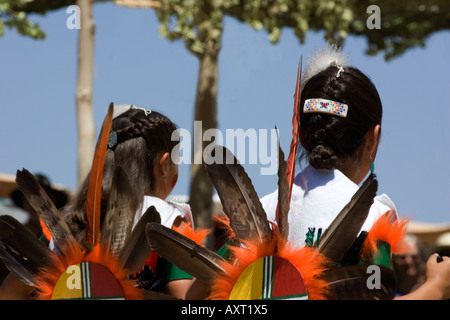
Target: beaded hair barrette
[(325, 106)]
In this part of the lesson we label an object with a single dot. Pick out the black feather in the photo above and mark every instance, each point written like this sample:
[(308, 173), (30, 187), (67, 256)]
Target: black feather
[(238, 197), (46, 209), (23, 253), (344, 229), (120, 212), (185, 253), (136, 249), (357, 282)]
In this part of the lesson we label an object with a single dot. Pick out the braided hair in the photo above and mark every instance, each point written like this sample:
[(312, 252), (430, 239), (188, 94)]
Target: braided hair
[(141, 137), (328, 141)]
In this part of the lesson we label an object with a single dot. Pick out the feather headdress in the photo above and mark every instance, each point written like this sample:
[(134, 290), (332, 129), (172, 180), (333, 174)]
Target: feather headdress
[(72, 271)]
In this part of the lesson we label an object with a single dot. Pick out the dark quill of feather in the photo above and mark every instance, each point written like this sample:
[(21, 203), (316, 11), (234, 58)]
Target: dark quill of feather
[(238, 197), (283, 194), (120, 212), (23, 254), (341, 233), (190, 257), (352, 283), (46, 210), (136, 248)]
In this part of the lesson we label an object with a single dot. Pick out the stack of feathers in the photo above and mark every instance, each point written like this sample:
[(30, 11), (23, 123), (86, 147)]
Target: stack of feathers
[(116, 250), (122, 250)]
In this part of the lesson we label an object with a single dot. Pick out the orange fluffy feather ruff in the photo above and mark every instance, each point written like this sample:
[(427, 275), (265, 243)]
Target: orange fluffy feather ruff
[(387, 228), (308, 261), (188, 231), (48, 278), (73, 254)]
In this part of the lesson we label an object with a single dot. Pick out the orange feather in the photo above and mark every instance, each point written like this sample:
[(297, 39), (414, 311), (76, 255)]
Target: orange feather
[(93, 200), (295, 134), (197, 235), (295, 131), (45, 232)]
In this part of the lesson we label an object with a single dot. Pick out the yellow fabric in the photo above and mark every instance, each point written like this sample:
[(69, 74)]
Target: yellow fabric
[(69, 284), (249, 284)]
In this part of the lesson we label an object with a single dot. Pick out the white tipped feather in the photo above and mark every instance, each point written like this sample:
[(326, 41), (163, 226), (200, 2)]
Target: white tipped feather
[(322, 59)]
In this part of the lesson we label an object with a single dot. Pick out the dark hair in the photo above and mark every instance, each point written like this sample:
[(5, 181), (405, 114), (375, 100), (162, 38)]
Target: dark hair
[(327, 139), (140, 139)]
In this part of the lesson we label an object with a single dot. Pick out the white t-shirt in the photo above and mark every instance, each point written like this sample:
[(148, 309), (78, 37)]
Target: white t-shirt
[(317, 198), (168, 210)]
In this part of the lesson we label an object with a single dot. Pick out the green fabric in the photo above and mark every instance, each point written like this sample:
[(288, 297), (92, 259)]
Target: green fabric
[(43, 239), (382, 256), (224, 250), (170, 271)]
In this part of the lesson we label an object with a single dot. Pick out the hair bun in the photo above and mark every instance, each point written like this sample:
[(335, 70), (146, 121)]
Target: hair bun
[(322, 157)]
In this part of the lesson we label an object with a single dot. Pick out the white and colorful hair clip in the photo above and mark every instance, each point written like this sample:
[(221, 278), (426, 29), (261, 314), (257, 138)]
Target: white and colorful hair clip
[(325, 106)]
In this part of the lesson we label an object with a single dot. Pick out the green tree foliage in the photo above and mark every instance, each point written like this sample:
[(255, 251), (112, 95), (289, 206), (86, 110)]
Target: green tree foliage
[(404, 23), (15, 14), (12, 15)]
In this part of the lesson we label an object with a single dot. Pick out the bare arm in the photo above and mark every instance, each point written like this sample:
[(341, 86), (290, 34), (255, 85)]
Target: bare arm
[(178, 288), (437, 283), (198, 290)]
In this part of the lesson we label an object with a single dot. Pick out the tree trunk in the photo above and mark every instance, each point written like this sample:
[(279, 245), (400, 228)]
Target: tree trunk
[(201, 189), (85, 114)]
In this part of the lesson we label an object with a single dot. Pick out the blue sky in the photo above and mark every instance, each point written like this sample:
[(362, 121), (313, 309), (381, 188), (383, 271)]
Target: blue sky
[(133, 64)]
